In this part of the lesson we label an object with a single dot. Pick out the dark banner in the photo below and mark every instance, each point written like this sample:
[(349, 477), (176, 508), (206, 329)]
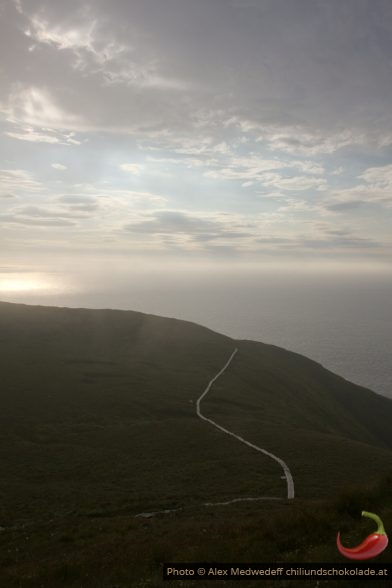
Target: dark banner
[(272, 571)]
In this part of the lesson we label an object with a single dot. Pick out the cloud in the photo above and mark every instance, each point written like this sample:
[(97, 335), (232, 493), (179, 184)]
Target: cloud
[(98, 52), (31, 221), (40, 134), (80, 203), (50, 212), (35, 106), (380, 177), (294, 205), (242, 234), (184, 231), (251, 170), (37, 134), (288, 76), (66, 211), (263, 171), (375, 188), (295, 183), (18, 181), (233, 122), (170, 221), (62, 37), (76, 199), (112, 200), (33, 137), (344, 206), (132, 168), (322, 237), (188, 162), (244, 168), (301, 141), (84, 71), (191, 230), (340, 243)]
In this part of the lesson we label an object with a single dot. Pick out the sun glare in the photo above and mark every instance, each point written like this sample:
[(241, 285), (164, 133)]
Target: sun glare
[(22, 284)]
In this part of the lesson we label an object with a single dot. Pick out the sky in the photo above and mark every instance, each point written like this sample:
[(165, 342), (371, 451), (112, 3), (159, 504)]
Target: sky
[(209, 131)]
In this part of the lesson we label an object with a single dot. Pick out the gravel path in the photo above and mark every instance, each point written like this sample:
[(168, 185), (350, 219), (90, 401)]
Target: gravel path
[(286, 470)]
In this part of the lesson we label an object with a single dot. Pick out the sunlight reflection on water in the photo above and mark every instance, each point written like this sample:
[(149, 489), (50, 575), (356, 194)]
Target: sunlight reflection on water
[(16, 284)]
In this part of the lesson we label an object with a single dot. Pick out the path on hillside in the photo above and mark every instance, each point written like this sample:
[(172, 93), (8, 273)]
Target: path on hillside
[(284, 466)]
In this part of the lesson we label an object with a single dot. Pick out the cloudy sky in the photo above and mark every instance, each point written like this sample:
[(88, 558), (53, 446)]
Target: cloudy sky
[(247, 130)]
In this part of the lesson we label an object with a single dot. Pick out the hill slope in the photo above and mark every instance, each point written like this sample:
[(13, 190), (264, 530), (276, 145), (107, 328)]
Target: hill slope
[(98, 423), (97, 411)]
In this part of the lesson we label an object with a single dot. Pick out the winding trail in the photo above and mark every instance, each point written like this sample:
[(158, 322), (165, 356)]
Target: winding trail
[(284, 466), (286, 470)]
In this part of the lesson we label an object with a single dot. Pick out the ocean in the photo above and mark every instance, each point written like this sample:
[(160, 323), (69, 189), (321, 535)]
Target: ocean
[(343, 321)]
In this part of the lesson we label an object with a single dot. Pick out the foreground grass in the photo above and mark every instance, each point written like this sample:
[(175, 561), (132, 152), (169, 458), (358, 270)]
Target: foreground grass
[(123, 551)]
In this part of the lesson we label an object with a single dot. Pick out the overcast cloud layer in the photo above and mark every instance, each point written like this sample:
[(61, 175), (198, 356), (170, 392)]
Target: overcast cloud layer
[(217, 129)]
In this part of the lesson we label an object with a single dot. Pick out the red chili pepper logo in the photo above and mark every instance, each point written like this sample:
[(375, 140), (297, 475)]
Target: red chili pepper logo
[(371, 546)]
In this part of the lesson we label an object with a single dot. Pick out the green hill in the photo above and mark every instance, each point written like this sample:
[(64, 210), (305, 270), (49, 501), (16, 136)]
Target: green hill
[(98, 423)]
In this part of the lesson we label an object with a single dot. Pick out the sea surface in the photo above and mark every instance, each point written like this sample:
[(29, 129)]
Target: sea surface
[(342, 321)]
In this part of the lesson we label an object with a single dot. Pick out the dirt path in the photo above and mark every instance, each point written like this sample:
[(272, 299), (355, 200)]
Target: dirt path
[(284, 466)]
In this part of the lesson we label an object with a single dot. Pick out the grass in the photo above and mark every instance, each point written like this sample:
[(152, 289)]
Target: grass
[(98, 424), (122, 551)]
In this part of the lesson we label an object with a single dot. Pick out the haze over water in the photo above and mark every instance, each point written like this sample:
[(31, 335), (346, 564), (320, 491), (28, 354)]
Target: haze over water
[(340, 320)]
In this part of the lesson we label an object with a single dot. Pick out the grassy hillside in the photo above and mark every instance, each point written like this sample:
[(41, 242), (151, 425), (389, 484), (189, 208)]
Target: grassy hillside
[(98, 424)]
